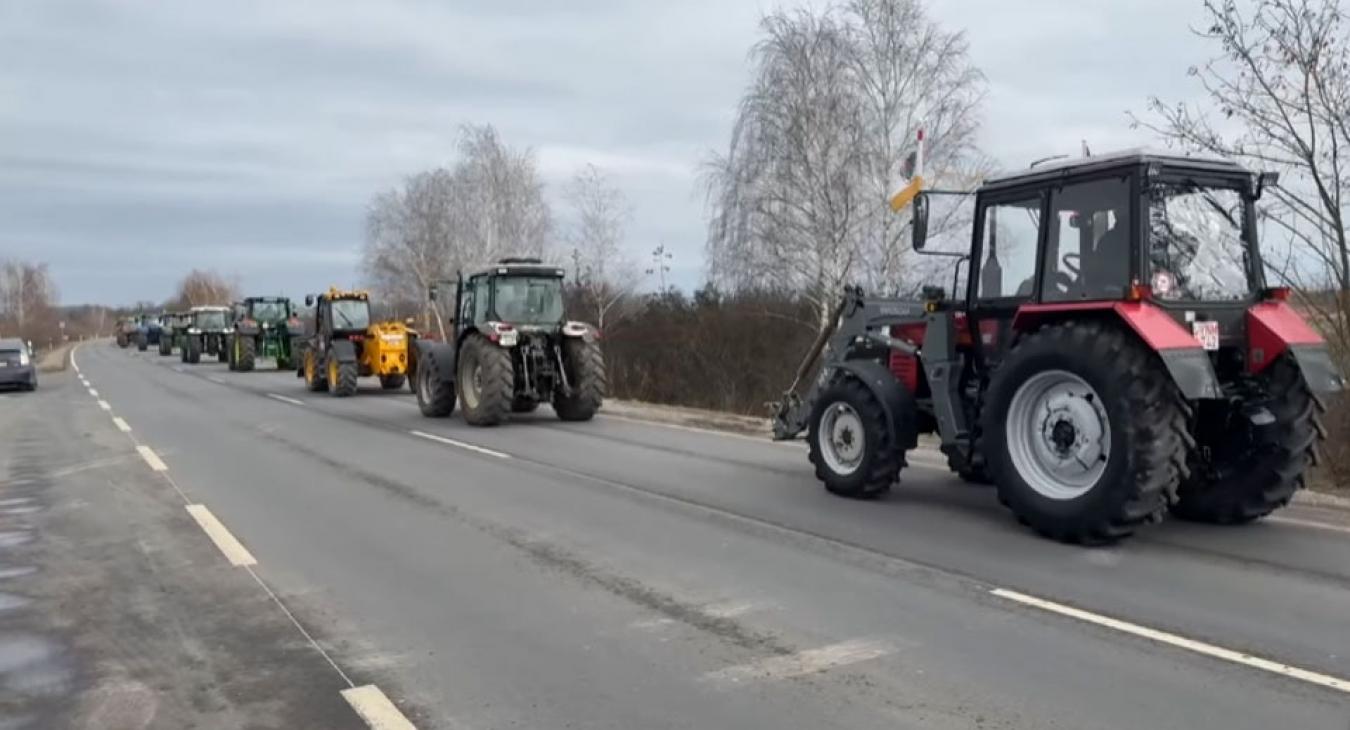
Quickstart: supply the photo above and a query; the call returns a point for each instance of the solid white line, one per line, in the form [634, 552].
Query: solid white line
[1181, 642]
[121, 425]
[460, 444]
[104, 405]
[152, 458]
[1308, 523]
[802, 663]
[376, 709]
[284, 399]
[234, 551]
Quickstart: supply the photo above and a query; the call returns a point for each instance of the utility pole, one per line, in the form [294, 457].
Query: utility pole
[660, 264]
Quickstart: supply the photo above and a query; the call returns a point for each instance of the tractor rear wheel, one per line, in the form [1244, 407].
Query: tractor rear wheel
[1243, 479]
[315, 379]
[193, 352]
[165, 345]
[1083, 433]
[245, 353]
[435, 395]
[341, 376]
[392, 382]
[586, 374]
[848, 442]
[485, 382]
[142, 342]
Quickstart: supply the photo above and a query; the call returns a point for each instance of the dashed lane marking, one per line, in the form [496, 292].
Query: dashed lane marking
[285, 399]
[802, 663]
[93, 392]
[104, 405]
[1180, 642]
[121, 424]
[217, 381]
[152, 458]
[376, 709]
[460, 444]
[234, 550]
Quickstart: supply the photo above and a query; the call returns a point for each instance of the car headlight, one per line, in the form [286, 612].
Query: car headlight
[23, 357]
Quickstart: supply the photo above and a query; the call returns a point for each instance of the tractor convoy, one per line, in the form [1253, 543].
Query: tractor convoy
[1109, 352]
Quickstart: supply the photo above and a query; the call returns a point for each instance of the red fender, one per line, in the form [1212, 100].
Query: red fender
[1272, 327]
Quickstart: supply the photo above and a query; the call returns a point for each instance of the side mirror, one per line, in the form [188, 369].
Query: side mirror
[309, 300]
[1266, 178]
[920, 221]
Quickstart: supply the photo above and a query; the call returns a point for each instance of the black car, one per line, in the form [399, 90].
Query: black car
[16, 365]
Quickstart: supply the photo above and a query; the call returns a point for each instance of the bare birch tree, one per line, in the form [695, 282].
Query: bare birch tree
[27, 296]
[1276, 97]
[204, 288]
[605, 269]
[798, 201]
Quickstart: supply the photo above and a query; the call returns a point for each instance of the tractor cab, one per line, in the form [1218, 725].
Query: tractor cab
[342, 313]
[516, 295]
[267, 312]
[1091, 233]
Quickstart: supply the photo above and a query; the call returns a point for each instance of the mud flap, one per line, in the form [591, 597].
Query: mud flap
[901, 411]
[1319, 372]
[1192, 372]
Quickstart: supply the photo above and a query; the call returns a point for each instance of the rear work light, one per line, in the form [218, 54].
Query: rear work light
[1138, 292]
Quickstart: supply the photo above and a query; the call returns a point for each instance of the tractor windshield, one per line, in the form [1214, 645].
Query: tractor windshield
[1197, 247]
[211, 320]
[351, 314]
[529, 299]
[268, 311]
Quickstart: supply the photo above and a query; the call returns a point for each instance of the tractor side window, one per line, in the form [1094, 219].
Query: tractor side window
[1088, 250]
[480, 299]
[1008, 266]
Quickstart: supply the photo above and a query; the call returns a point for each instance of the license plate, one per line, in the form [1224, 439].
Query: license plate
[1207, 334]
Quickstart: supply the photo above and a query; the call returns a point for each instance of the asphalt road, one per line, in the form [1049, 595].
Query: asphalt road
[617, 574]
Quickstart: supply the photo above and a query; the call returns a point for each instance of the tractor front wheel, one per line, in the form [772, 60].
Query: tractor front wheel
[435, 395]
[586, 375]
[848, 443]
[142, 342]
[245, 353]
[314, 377]
[165, 345]
[1246, 477]
[341, 377]
[392, 382]
[485, 381]
[1083, 433]
[193, 352]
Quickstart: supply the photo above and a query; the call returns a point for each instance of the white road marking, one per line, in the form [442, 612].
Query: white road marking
[1308, 523]
[93, 392]
[376, 709]
[460, 444]
[234, 551]
[104, 405]
[217, 381]
[732, 609]
[802, 663]
[710, 431]
[285, 399]
[152, 458]
[121, 425]
[1181, 642]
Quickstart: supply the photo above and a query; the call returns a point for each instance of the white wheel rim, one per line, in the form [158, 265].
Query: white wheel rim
[1059, 436]
[841, 438]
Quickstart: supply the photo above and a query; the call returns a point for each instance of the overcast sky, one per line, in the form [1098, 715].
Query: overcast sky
[139, 139]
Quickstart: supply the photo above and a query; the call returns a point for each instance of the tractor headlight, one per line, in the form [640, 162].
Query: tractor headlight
[229, 330]
[194, 331]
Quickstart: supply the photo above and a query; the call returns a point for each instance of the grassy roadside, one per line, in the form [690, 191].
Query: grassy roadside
[55, 359]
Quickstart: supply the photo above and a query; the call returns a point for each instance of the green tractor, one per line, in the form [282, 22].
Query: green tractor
[173, 331]
[263, 327]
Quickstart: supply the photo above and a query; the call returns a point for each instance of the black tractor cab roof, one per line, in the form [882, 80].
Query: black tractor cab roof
[521, 267]
[1057, 169]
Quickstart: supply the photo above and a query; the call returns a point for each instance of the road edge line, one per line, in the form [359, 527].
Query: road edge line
[234, 551]
[1180, 642]
[151, 458]
[285, 399]
[376, 709]
[122, 425]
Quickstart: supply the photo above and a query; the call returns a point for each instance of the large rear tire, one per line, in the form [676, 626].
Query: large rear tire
[392, 382]
[485, 382]
[341, 377]
[586, 374]
[1244, 480]
[245, 354]
[435, 395]
[848, 444]
[1083, 433]
[165, 345]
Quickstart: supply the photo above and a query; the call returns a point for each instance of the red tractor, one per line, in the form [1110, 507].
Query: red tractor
[1116, 354]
